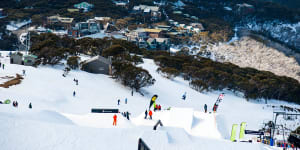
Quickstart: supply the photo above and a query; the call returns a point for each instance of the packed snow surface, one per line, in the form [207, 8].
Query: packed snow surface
[61, 121]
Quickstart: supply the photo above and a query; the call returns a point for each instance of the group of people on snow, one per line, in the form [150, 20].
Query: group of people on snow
[150, 114]
[120, 101]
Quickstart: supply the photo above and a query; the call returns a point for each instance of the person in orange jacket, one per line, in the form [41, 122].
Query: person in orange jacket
[150, 114]
[115, 120]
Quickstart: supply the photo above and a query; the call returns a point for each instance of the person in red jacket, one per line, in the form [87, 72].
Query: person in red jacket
[150, 114]
[115, 120]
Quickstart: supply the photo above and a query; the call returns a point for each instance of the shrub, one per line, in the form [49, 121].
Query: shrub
[72, 62]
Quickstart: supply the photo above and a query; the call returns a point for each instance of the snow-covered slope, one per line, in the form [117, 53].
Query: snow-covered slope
[60, 121]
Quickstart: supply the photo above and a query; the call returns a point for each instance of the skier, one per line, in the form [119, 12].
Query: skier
[74, 93]
[118, 101]
[215, 107]
[125, 100]
[132, 93]
[146, 113]
[150, 114]
[205, 108]
[127, 115]
[76, 81]
[115, 120]
[30, 106]
[184, 96]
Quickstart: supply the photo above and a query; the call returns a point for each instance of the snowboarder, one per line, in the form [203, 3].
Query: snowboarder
[30, 105]
[155, 107]
[215, 107]
[127, 115]
[146, 114]
[23, 72]
[205, 108]
[184, 96]
[118, 101]
[125, 100]
[150, 114]
[115, 120]
[74, 93]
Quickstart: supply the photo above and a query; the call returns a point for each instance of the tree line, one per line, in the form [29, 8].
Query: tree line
[206, 75]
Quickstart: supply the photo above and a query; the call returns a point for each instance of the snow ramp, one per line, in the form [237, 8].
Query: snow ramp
[176, 117]
[205, 125]
[195, 123]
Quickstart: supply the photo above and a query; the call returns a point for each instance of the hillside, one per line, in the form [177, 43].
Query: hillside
[60, 121]
[248, 52]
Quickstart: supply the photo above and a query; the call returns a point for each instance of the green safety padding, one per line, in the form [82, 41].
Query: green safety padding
[242, 130]
[7, 101]
[233, 132]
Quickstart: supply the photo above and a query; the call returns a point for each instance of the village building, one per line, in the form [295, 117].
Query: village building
[65, 21]
[29, 60]
[153, 11]
[1, 12]
[97, 65]
[85, 6]
[16, 58]
[19, 58]
[72, 10]
[244, 9]
[91, 26]
[122, 4]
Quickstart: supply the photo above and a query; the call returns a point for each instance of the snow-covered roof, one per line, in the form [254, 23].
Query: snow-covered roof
[98, 58]
[228, 8]
[161, 40]
[146, 7]
[16, 25]
[147, 10]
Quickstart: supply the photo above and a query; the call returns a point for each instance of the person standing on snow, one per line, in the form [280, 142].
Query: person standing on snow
[125, 100]
[146, 114]
[205, 108]
[3, 66]
[23, 72]
[127, 115]
[118, 101]
[150, 114]
[30, 106]
[74, 93]
[184, 96]
[115, 120]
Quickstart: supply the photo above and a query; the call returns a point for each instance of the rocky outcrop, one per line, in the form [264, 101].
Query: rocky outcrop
[247, 52]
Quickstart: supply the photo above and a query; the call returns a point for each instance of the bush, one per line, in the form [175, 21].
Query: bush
[72, 62]
[132, 76]
[169, 72]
